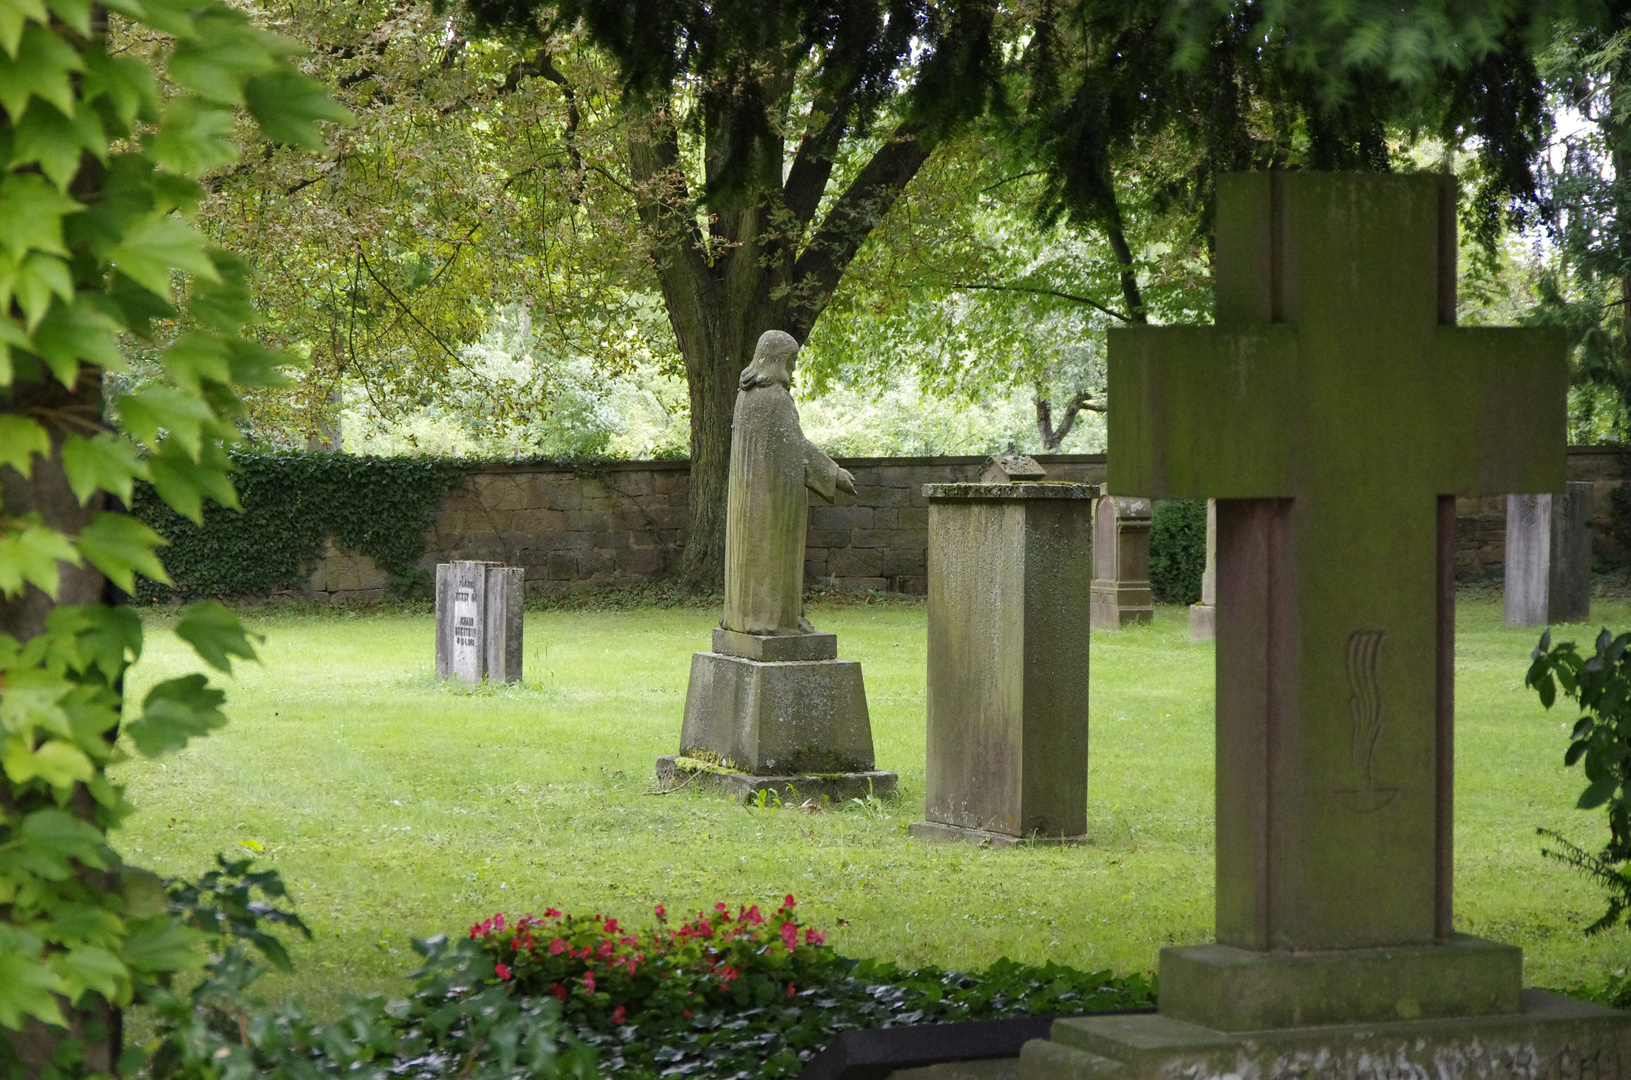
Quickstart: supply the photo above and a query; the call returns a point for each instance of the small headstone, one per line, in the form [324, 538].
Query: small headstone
[1007, 658]
[1548, 557]
[1011, 467]
[479, 609]
[1121, 563]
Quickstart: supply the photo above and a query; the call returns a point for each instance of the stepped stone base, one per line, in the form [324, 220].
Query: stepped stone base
[675, 772]
[941, 832]
[1553, 1038]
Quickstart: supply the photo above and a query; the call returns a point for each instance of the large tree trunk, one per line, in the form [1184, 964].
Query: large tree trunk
[758, 267]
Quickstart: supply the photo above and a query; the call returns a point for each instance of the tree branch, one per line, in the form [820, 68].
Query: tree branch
[851, 220]
[1088, 300]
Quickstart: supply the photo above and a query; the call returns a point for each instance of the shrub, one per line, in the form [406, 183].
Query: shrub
[1177, 550]
[731, 996]
[1601, 740]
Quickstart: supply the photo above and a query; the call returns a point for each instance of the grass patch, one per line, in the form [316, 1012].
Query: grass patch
[397, 807]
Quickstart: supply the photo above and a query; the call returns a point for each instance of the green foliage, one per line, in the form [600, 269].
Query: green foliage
[290, 502]
[748, 994]
[1177, 550]
[100, 178]
[1601, 743]
[459, 1020]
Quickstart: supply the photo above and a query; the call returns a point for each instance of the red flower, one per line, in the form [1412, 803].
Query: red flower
[788, 903]
[502, 970]
[557, 947]
[789, 989]
[753, 915]
[498, 921]
[618, 1014]
[812, 936]
[790, 937]
[552, 913]
[661, 914]
[589, 982]
[558, 990]
[686, 1013]
[611, 926]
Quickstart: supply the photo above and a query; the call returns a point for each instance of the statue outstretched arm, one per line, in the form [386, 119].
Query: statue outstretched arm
[822, 474]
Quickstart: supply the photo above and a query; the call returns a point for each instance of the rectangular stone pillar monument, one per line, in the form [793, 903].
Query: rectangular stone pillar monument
[479, 611]
[1009, 567]
[1121, 563]
[1334, 412]
[1548, 557]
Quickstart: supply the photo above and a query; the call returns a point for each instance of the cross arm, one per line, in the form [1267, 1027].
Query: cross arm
[1201, 411]
[1505, 395]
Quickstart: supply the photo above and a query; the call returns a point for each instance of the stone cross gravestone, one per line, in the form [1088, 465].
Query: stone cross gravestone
[1007, 658]
[772, 708]
[479, 610]
[1334, 411]
[1121, 563]
[1548, 557]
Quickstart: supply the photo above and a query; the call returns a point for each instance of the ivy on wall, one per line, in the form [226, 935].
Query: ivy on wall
[378, 506]
[1177, 550]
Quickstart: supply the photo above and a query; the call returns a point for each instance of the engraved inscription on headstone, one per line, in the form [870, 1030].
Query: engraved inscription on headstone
[478, 621]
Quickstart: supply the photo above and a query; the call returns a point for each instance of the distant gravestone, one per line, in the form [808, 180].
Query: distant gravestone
[1121, 563]
[1203, 617]
[479, 610]
[1548, 557]
[1011, 467]
[1007, 659]
[1335, 411]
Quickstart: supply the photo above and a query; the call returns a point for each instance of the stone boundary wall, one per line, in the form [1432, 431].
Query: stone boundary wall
[623, 522]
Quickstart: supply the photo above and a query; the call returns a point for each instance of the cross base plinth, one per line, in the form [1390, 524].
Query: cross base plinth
[1232, 989]
[1553, 1036]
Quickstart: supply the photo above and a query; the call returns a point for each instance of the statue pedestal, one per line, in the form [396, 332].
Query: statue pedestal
[777, 713]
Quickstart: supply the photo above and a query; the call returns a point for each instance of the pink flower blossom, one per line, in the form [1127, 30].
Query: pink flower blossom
[661, 914]
[790, 936]
[618, 1015]
[788, 903]
[589, 982]
[557, 947]
[502, 970]
[812, 936]
[790, 990]
[558, 990]
[552, 913]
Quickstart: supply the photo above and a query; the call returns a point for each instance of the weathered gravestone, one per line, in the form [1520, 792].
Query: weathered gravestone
[772, 708]
[1007, 687]
[1548, 557]
[1203, 617]
[479, 609]
[1333, 412]
[1121, 563]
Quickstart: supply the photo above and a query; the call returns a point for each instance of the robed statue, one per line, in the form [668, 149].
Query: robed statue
[772, 464]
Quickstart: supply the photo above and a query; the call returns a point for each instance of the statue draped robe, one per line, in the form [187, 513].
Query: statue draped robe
[772, 464]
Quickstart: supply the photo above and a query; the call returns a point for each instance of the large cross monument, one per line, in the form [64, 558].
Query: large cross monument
[1334, 412]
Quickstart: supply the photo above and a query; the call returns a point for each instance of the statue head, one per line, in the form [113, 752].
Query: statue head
[773, 361]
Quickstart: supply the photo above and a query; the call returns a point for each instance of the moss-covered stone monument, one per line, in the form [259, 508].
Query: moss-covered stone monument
[1334, 412]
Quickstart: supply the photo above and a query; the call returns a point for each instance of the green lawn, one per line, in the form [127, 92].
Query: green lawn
[399, 808]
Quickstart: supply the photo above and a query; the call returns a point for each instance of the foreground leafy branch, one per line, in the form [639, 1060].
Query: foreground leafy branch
[101, 162]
